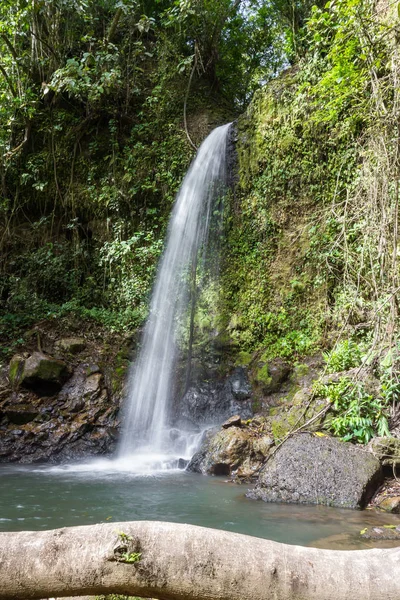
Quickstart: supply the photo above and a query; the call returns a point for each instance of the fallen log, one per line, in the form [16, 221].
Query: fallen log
[184, 562]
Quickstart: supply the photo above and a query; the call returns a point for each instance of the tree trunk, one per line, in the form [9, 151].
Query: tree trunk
[183, 562]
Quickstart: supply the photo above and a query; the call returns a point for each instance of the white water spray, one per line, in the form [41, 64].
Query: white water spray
[146, 434]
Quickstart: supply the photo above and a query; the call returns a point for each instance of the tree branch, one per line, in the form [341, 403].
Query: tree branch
[114, 25]
[9, 82]
[10, 47]
[172, 561]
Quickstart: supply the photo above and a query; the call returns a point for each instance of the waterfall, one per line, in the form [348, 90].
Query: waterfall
[146, 432]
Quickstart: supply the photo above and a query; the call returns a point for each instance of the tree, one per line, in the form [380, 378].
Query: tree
[184, 562]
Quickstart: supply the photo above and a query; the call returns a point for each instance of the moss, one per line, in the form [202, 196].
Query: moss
[283, 421]
[263, 375]
[50, 370]
[300, 370]
[15, 369]
[243, 359]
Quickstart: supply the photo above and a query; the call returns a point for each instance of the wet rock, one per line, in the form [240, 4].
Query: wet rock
[240, 385]
[77, 405]
[386, 532]
[391, 504]
[71, 345]
[313, 470]
[210, 403]
[247, 471]
[221, 453]
[92, 385]
[44, 374]
[235, 421]
[91, 369]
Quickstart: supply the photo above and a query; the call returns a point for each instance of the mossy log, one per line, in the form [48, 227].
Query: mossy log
[184, 562]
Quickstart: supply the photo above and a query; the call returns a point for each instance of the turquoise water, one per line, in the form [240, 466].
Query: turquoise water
[45, 498]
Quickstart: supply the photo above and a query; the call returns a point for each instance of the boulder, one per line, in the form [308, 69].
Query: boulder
[270, 376]
[386, 449]
[288, 417]
[221, 453]
[44, 374]
[385, 532]
[391, 504]
[309, 469]
[71, 345]
[262, 446]
[15, 369]
[235, 421]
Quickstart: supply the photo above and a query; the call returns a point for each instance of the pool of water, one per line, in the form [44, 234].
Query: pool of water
[35, 498]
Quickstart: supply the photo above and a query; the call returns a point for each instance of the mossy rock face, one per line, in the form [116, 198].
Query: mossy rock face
[285, 420]
[271, 375]
[44, 374]
[244, 359]
[15, 369]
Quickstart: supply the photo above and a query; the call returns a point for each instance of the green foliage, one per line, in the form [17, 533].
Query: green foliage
[124, 537]
[91, 97]
[130, 557]
[308, 246]
[345, 355]
[359, 415]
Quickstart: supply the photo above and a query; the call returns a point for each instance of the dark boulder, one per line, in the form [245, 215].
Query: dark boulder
[234, 421]
[44, 374]
[271, 375]
[212, 403]
[310, 469]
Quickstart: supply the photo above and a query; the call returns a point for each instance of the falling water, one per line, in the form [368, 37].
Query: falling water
[146, 434]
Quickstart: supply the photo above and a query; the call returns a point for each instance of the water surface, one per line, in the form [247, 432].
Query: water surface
[36, 498]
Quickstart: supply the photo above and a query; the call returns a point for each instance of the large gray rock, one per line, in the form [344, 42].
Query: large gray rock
[319, 470]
